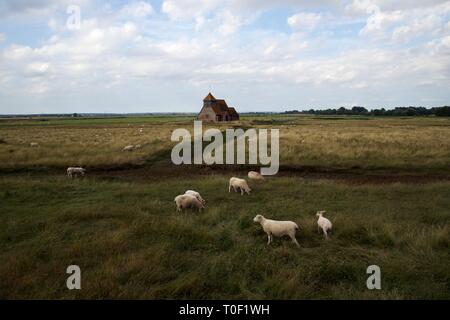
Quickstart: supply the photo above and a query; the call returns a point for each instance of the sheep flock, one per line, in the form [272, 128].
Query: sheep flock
[192, 199]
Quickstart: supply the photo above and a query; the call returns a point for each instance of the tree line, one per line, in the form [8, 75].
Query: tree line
[398, 111]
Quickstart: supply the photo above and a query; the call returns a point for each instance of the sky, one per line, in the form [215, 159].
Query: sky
[258, 55]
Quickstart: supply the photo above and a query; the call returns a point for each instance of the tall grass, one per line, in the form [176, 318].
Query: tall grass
[399, 144]
[130, 242]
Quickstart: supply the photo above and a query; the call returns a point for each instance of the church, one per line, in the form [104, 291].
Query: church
[216, 110]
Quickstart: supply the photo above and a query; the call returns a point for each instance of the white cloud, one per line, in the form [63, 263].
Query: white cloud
[304, 21]
[378, 21]
[188, 9]
[200, 43]
[137, 9]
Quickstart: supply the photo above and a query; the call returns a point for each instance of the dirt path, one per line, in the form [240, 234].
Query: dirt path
[348, 176]
[149, 172]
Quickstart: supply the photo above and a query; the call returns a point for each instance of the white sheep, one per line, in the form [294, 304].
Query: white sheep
[239, 184]
[277, 228]
[323, 223]
[255, 175]
[186, 201]
[128, 148]
[195, 194]
[34, 144]
[75, 171]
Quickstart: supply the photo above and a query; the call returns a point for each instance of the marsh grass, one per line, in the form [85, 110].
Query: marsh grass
[125, 234]
[328, 142]
[130, 242]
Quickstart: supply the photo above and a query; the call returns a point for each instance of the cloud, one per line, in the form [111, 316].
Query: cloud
[137, 10]
[379, 21]
[194, 44]
[304, 21]
[35, 9]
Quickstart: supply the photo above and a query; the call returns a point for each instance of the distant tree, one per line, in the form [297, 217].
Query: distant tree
[356, 110]
[442, 111]
[398, 111]
[341, 110]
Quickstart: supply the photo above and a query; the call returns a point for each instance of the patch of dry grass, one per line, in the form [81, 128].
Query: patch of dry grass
[412, 143]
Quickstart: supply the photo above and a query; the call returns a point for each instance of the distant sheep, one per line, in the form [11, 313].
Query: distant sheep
[255, 175]
[141, 130]
[323, 223]
[239, 184]
[186, 201]
[34, 144]
[131, 147]
[195, 194]
[277, 228]
[128, 148]
[75, 171]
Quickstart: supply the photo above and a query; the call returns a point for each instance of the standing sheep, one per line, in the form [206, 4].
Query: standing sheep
[75, 171]
[186, 201]
[195, 194]
[239, 184]
[277, 228]
[323, 223]
[255, 175]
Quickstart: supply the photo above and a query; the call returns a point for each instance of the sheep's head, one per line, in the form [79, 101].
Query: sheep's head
[258, 218]
[320, 213]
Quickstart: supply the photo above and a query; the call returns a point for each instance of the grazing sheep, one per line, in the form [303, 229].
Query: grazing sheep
[141, 130]
[323, 223]
[240, 184]
[75, 171]
[128, 148]
[138, 146]
[34, 144]
[186, 201]
[255, 175]
[277, 228]
[195, 194]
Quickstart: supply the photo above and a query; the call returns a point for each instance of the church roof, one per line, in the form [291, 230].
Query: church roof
[233, 111]
[209, 97]
[221, 105]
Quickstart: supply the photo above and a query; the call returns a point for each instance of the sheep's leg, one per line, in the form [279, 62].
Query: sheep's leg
[325, 233]
[294, 240]
[269, 238]
[242, 192]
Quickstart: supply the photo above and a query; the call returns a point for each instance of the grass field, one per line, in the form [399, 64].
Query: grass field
[120, 224]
